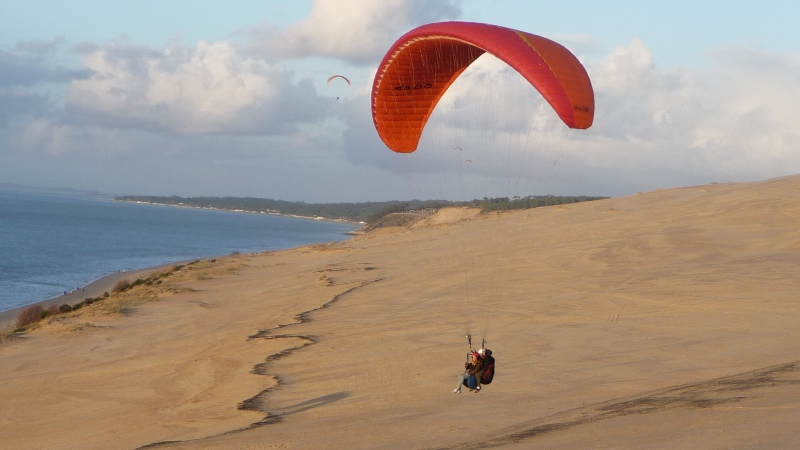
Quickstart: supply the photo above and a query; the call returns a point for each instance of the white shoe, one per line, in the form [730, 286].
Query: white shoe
[456, 391]
[477, 389]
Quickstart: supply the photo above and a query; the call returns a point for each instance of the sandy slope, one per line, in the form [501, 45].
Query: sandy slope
[94, 289]
[662, 320]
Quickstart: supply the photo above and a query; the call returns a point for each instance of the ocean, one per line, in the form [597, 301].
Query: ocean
[52, 242]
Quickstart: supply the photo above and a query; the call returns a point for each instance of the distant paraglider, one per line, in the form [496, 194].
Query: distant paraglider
[340, 76]
[419, 68]
[333, 77]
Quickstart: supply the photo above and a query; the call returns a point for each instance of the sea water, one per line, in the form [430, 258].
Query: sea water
[52, 242]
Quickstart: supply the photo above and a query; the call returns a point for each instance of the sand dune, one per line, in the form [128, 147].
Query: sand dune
[662, 320]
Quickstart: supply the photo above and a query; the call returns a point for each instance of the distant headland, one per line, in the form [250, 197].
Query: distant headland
[364, 212]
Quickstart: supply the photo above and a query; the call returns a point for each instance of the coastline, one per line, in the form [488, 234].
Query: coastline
[266, 213]
[95, 288]
[104, 283]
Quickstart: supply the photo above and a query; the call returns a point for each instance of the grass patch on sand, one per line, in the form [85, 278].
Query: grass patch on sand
[123, 295]
[126, 294]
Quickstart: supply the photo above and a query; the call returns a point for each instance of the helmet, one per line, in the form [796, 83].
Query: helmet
[480, 351]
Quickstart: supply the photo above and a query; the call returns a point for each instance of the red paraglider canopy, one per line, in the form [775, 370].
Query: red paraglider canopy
[423, 63]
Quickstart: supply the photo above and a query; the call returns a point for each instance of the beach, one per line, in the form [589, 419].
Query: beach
[93, 289]
[666, 319]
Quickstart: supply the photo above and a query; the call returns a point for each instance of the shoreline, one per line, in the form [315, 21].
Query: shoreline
[105, 283]
[95, 288]
[266, 213]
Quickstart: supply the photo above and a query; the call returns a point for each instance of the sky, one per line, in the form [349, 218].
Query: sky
[211, 98]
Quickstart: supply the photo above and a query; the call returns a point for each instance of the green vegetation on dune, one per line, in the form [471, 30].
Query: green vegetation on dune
[531, 201]
[368, 212]
[355, 212]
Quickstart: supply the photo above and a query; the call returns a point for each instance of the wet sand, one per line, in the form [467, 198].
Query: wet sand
[666, 319]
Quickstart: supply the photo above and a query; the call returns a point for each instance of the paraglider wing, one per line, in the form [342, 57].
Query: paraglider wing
[339, 76]
[423, 63]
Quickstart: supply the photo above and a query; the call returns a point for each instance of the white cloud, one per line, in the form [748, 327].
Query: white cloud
[211, 88]
[52, 138]
[27, 65]
[734, 121]
[356, 30]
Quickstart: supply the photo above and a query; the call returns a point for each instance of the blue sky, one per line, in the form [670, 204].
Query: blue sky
[146, 22]
[678, 32]
[688, 93]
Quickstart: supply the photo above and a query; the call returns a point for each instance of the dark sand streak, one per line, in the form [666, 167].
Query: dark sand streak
[256, 403]
[703, 394]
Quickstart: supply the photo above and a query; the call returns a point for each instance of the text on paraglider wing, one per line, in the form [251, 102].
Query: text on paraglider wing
[416, 86]
[582, 108]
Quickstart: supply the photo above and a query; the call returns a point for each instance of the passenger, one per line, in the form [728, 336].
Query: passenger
[474, 368]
